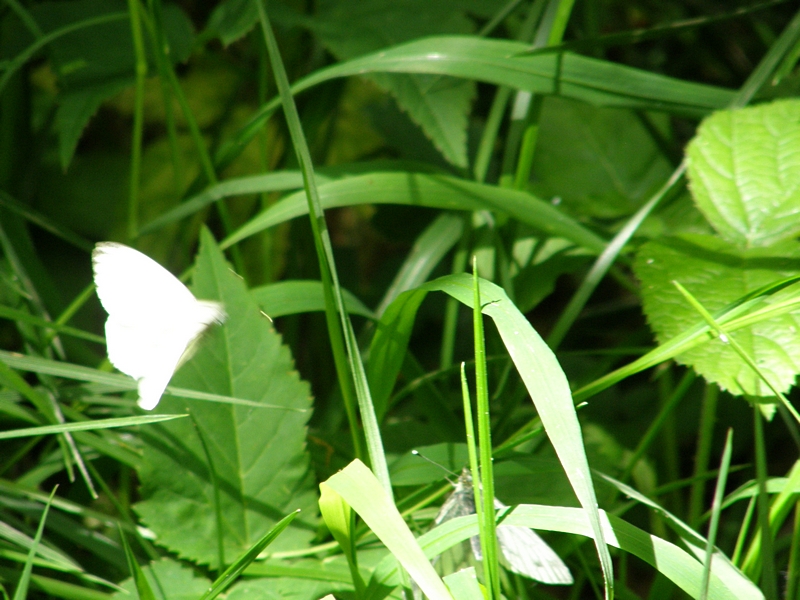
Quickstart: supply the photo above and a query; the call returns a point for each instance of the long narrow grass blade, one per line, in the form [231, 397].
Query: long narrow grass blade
[363, 492]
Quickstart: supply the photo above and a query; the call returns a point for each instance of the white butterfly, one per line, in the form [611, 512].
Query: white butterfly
[152, 317]
[525, 552]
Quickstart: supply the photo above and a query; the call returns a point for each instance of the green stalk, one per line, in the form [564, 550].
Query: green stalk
[343, 340]
[716, 508]
[793, 573]
[138, 119]
[488, 541]
[469, 425]
[704, 439]
[452, 306]
[162, 58]
[767, 552]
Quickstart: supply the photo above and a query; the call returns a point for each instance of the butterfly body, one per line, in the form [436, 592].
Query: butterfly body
[153, 319]
[524, 551]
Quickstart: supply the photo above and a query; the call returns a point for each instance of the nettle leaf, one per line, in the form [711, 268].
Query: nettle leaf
[717, 273]
[744, 172]
[599, 161]
[168, 579]
[259, 466]
[438, 104]
[94, 63]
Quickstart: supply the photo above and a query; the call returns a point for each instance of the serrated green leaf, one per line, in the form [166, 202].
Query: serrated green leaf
[259, 469]
[169, 580]
[744, 172]
[438, 104]
[96, 61]
[717, 273]
[232, 19]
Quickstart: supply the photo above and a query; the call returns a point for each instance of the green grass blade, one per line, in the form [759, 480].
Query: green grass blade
[716, 508]
[347, 358]
[294, 297]
[24, 580]
[678, 565]
[143, 589]
[430, 247]
[483, 480]
[232, 573]
[362, 491]
[86, 426]
[431, 191]
[547, 386]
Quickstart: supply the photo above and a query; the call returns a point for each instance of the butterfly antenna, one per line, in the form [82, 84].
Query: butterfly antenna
[434, 463]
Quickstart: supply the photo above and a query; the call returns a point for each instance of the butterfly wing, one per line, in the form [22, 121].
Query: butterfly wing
[152, 317]
[529, 555]
[524, 551]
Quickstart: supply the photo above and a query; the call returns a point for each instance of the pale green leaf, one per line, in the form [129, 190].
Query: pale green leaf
[744, 172]
[718, 273]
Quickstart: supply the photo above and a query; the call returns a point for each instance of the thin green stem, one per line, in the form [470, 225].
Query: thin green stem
[349, 367]
[767, 554]
[489, 541]
[138, 119]
[716, 508]
[705, 437]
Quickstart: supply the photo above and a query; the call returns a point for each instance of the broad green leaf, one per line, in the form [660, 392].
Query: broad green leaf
[432, 191]
[439, 104]
[96, 61]
[309, 583]
[249, 463]
[744, 172]
[717, 273]
[464, 585]
[599, 162]
[295, 297]
[169, 580]
[361, 490]
[233, 572]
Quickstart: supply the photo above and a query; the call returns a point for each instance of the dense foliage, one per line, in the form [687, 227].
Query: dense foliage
[559, 246]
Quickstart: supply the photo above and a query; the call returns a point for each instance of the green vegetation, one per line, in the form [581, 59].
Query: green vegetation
[553, 242]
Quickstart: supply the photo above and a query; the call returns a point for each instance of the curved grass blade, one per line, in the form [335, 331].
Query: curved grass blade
[361, 490]
[301, 296]
[24, 580]
[232, 573]
[430, 191]
[86, 426]
[676, 564]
